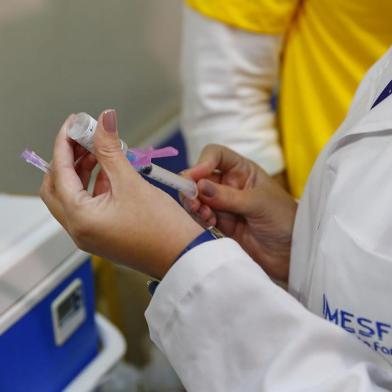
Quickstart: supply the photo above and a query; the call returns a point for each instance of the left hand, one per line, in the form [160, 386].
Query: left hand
[126, 219]
[246, 204]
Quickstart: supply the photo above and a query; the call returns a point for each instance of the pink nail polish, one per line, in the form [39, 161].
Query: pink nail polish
[109, 121]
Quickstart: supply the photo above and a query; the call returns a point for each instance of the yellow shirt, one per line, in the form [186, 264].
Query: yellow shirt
[329, 46]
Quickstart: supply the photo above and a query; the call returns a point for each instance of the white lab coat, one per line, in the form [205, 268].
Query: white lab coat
[225, 326]
[228, 78]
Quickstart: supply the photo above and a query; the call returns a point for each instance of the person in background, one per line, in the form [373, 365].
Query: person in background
[234, 54]
[216, 314]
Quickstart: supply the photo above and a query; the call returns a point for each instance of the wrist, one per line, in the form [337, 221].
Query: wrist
[206, 235]
[176, 244]
[209, 234]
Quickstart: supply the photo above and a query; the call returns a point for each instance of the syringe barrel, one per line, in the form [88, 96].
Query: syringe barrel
[181, 184]
[82, 129]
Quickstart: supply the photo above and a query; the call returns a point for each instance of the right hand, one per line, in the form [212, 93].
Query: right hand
[126, 219]
[246, 204]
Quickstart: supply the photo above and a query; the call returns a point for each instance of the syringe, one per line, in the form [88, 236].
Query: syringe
[82, 129]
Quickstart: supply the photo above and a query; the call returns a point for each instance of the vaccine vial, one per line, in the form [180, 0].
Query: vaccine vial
[82, 129]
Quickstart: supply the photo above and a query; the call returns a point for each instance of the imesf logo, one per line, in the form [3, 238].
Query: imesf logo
[363, 327]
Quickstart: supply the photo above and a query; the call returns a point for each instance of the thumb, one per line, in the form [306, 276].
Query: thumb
[108, 149]
[225, 198]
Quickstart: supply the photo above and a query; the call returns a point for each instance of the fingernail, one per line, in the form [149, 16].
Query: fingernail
[208, 189]
[109, 121]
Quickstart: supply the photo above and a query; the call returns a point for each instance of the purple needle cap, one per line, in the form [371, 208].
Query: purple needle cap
[35, 160]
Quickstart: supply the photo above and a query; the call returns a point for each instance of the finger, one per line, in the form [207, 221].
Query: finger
[217, 157]
[205, 213]
[200, 213]
[197, 218]
[49, 197]
[225, 198]
[65, 179]
[226, 222]
[108, 151]
[201, 170]
[190, 205]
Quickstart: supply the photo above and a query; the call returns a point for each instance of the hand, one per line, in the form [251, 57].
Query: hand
[281, 179]
[126, 219]
[241, 200]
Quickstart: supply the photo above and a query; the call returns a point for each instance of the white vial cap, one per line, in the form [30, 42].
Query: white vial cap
[82, 129]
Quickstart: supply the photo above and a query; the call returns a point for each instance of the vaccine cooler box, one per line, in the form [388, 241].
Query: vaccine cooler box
[51, 338]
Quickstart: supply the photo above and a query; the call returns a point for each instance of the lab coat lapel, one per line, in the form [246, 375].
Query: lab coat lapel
[362, 119]
[376, 120]
[360, 122]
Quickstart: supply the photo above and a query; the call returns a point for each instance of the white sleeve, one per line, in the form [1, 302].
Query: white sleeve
[228, 77]
[225, 326]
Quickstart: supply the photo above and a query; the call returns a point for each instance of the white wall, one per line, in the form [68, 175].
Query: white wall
[63, 56]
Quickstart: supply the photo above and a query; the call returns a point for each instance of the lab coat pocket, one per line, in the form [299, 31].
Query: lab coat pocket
[352, 287]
